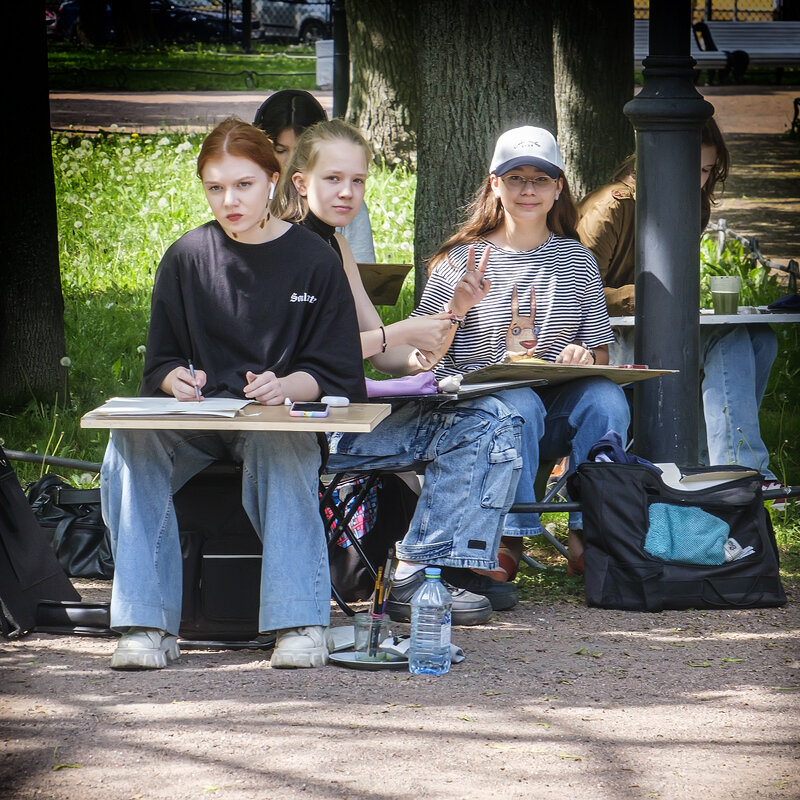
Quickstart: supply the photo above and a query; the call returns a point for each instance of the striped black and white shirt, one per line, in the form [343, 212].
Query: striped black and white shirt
[570, 306]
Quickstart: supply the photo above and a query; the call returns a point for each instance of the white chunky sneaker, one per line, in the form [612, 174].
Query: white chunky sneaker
[145, 648]
[301, 648]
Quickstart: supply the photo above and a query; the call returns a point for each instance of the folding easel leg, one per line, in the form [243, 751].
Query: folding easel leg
[340, 602]
[342, 520]
[550, 494]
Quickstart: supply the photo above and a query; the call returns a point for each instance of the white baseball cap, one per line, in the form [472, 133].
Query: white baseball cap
[535, 147]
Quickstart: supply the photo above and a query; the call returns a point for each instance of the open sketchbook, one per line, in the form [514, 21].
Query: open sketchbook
[558, 373]
[168, 406]
[672, 476]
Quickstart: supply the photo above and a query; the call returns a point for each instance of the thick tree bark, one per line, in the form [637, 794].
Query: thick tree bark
[593, 65]
[484, 67]
[31, 303]
[383, 92]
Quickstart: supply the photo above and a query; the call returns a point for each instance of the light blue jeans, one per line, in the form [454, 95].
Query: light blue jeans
[471, 450]
[141, 471]
[564, 420]
[736, 362]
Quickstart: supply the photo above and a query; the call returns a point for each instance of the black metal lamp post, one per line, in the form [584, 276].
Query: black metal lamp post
[341, 60]
[668, 115]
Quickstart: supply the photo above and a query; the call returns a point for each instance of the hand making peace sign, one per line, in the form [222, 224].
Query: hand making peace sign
[473, 287]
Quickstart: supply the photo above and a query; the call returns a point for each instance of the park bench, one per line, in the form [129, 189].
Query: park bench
[767, 44]
[710, 60]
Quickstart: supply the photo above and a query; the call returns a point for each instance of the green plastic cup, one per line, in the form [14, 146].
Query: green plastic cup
[725, 293]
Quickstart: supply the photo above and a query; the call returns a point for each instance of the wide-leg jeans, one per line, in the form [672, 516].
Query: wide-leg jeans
[471, 454]
[141, 471]
[736, 362]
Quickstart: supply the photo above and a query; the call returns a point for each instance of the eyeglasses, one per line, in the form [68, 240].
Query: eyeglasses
[519, 182]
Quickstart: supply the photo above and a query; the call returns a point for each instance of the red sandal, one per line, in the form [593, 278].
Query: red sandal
[575, 566]
[508, 565]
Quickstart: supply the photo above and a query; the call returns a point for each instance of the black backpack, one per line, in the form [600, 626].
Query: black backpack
[29, 570]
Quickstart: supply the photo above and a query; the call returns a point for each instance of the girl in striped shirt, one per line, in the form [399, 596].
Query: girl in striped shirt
[518, 283]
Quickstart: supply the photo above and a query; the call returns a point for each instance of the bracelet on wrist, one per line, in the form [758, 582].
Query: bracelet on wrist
[591, 352]
[455, 319]
[383, 337]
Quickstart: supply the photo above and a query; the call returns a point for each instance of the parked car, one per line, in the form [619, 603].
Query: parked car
[197, 20]
[302, 21]
[174, 20]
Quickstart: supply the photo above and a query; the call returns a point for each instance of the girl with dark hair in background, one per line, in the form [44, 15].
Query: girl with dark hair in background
[284, 116]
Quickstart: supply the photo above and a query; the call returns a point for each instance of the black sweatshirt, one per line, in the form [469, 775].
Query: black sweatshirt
[230, 307]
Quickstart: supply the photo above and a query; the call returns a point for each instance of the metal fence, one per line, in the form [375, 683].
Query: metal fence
[722, 10]
[305, 21]
[722, 231]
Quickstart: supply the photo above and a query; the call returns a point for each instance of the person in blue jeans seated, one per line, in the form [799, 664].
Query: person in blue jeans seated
[521, 286]
[735, 359]
[262, 310]
[470, 449]
[283, 116]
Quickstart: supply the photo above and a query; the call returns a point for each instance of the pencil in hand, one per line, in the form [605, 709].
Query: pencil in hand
[196, 390]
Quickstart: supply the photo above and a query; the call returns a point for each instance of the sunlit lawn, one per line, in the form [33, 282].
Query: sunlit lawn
[190, 68]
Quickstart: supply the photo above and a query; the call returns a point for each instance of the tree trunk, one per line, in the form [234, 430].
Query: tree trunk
[383, 91]
[593, 65]
[31, 303]
[484, 67]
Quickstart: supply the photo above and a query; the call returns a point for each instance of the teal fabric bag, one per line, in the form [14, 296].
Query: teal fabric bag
[686, 533]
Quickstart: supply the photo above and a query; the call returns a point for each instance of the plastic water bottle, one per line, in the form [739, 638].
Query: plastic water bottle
[431, 605]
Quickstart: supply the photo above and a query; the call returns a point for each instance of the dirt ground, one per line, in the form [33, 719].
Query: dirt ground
[552, 701]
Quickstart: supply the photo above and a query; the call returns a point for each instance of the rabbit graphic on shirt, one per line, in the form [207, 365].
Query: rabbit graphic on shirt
[522, 334]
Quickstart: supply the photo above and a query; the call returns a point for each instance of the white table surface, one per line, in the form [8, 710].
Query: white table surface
[747, 316]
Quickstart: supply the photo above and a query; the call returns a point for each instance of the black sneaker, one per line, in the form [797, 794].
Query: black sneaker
[501, 594]
[468, 608]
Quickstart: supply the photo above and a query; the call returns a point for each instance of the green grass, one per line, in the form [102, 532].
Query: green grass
[206, 67]
[194, 68]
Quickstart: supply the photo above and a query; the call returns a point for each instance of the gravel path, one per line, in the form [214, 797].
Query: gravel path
[552, 701]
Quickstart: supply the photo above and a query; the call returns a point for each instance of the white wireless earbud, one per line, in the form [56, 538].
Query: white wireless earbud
[271, 191]
[557, 195]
